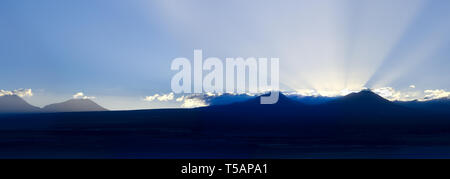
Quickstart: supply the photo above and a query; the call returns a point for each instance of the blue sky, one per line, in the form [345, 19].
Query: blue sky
[120, 51]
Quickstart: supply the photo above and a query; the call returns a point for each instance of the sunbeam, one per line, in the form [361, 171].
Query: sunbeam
[330, 46]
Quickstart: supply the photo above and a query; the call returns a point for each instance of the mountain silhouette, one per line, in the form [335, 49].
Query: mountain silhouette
[74, 105]
[437, 105]
[365, 100]
[15, 104]
[364, 103]
[283, 101]
[364, 96]
[284, 106]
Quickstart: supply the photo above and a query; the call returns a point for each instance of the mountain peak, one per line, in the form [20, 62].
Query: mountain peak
[74, 105]
[281, 98]
[365, 100]
[366, 96]
[15, 104]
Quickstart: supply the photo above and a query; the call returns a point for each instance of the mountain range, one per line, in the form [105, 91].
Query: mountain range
[364, 102]
[359, 113]
[15, 104]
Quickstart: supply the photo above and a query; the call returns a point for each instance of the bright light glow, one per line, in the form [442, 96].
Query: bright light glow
[332, 47]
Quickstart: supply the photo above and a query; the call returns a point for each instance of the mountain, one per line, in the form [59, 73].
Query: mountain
[312, 100]
[365, 103]
[253, 106]
[365, 100]
[438, 105]
[74, 105]
[283, 101]
[363, 97]
[253, 117]
[15, 104]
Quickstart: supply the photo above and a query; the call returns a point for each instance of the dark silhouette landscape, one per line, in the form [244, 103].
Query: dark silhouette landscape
[359, 125]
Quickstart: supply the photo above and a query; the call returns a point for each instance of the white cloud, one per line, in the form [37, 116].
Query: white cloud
[163, 97]
[80, 95]
[327, 93]
[306, 92]
[180, 99]
[388, 93]
[412, 86]
[151, 98]
[19, 92]
[189, 101]
[166, 97]
[193, 103]
[436, 94]
[195, 100]
[393, 95]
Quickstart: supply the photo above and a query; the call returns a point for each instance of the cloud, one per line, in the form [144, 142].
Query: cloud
[388, 93]
[412, 86]
[163, 97]
[306, 92]
[151, 98]
[325, 93]
[166, 97]
[394, 95]
[193, 103]
[80, 95]
[436, 94]
[19, 92]
[180, 99]
[189, 101]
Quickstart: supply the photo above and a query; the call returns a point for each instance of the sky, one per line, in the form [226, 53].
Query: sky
[119, 53]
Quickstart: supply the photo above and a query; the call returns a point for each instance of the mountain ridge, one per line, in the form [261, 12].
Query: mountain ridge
[16, 104]
[74, 105]
[364, 101]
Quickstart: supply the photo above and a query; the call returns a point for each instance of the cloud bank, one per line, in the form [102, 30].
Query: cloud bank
[19, 92]
[200, 100]
[436, 94]
[162, 97]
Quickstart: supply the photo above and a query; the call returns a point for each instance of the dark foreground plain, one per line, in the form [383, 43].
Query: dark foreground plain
[360, 125]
